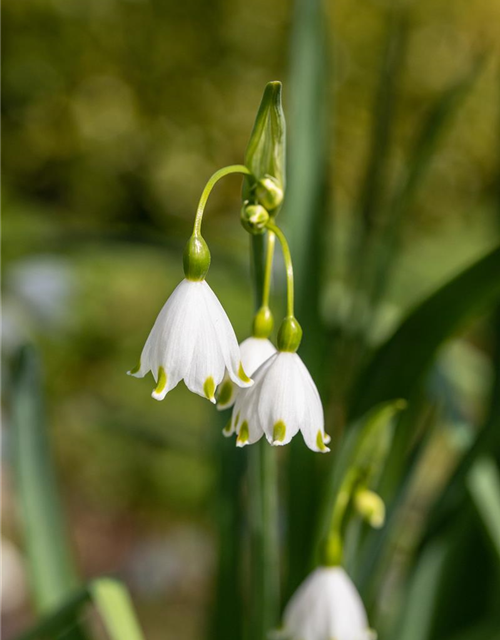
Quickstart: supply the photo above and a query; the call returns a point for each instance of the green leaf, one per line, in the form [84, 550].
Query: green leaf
[422, 597]
[383, 121]
[265, 154]
[304, 218]
[400, 364]
[431, 131]
[50, 563]
[113, 603]
[111, 600]
[483, 485]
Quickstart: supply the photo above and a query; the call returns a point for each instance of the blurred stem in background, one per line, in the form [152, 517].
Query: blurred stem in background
[305, 220]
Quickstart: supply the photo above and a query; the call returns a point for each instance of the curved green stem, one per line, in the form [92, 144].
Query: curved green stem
[288, 265]
[333, 549]
[266, 288]
[221, 173]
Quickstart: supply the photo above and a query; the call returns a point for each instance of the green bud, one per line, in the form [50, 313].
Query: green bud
[196, 258]
[269, 193]
[262, 323]
[265, 154]
[371, 507]
[254, 218]
[289, 335]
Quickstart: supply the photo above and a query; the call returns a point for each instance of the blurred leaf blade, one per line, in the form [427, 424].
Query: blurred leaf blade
[111, 600]
[51, 568]
[385, 102]
[432, 130]
[483, 485]
[401, 362]
[422, 595]
[305, 220]
[114, 605]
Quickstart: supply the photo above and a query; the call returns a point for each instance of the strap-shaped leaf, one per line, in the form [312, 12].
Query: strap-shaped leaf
[111, 600]
[50, 562]
[483, 485]
[399, 364]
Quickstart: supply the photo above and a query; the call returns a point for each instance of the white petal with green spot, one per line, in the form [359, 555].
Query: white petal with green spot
[283, 401]
[254, 352]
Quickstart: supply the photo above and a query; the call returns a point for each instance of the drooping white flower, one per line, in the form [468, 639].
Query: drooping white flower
[282, 401]
[192, 340]
[254, 352]
[326, 606]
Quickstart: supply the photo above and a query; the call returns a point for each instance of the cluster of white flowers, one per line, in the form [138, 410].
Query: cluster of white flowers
[193, 340]
[270, 390]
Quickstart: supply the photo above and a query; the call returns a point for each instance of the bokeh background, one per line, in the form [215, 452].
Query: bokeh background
[115, 113]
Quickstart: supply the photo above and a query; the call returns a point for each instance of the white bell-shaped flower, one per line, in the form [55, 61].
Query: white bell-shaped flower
[192, 340]
[254, 352]
[282, 401]
[326, 606]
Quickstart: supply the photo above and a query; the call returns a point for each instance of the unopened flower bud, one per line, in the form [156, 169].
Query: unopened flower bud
[371, 507]
[269, 193]
[254, 218]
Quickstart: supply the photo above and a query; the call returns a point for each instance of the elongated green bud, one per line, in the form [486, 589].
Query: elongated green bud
[254, 218]
[196, 258]
[262, 323]
[265, 154]
[289, 335]
[269, 193]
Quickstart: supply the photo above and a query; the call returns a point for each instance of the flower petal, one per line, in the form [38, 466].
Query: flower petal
[226, 338]
[254, 352]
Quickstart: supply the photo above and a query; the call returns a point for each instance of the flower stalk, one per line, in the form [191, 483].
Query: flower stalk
[221, 173]
[263, 496]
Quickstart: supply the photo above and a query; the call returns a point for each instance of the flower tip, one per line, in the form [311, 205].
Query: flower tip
[227, 432]
[277, 443]
[135, 371]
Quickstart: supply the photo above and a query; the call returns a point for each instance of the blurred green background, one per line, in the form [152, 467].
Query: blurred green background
[115, 113]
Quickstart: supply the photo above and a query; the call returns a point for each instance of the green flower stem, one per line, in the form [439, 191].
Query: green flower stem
[266, 287]
[333, 548]
[288, 265]
[221, 173]
[263, 500]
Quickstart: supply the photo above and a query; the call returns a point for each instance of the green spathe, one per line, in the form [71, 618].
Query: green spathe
[196, 258]
[289, 335]
[265, 154]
